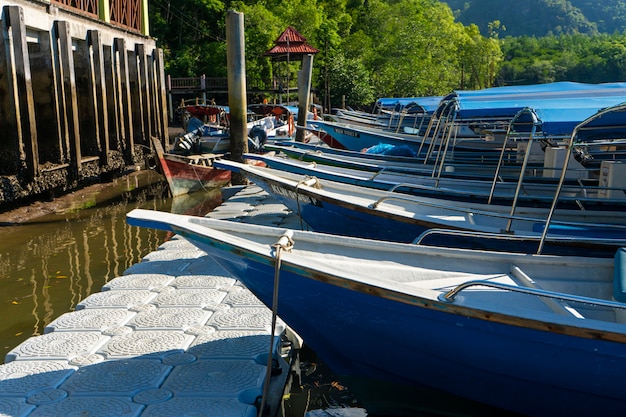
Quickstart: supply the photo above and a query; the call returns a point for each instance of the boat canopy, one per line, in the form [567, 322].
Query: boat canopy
[505, 102]
[274, 109]
[555, 90]
[560, 117]
[606, 124]
[417, 104]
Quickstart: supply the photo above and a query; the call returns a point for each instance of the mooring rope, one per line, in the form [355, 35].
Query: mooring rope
[284, 243]
[193, 167]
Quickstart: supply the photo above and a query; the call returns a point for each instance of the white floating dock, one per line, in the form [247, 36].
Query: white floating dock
[176, 335]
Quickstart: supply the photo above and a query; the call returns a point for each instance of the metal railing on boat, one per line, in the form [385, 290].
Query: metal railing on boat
[450, 295]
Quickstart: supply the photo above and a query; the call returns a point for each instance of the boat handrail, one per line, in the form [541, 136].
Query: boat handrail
[449, 296]
[465, 211]
[408, 198]
[503, 236]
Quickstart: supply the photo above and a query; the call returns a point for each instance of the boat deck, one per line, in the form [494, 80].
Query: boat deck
[175, 335]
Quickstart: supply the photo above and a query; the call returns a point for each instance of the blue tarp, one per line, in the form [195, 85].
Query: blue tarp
[427, 104]
[609, 123]
[559, 107]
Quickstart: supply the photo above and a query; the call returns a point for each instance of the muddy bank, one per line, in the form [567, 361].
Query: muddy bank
[125, 186]
[133, 185]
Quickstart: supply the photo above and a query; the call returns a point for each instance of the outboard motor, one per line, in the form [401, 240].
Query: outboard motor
[188, 143]
[258, 137]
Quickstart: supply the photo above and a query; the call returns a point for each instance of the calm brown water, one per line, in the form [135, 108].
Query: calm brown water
[49, 266]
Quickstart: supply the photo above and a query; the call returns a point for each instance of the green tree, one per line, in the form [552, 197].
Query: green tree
[480, 59]
[185, 29]
[349, 81]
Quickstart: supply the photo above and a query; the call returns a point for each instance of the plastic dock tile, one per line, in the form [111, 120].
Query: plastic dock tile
[242, 318]
[118, 298]
[240, 296]
[204, 266]
[218, 282]
[170, 318]
[58, 346]
[175, 335]
[190, 253]
[190, 297]
[169, 267]
[232, 344]
[147, 344]
[138, 282]
[234, 378]
[90, 319]
[198, 406]
[28, 377]
[101, 407]
[120, 378]
[15, 407]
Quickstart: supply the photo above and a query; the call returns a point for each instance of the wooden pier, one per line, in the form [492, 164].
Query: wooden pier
[82, 90]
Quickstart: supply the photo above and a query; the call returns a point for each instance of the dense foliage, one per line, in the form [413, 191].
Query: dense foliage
[383, 48]
[576, 57]
[369, 48]
[543, 17]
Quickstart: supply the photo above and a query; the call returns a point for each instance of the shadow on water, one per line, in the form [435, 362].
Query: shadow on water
[47, 266]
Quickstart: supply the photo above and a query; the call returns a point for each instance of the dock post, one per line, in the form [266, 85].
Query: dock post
[68, 98]
[145, 112]
[17, 106]
[160, 96]
[304, 94]
[101, 119]
[124, 99]
[236, 63]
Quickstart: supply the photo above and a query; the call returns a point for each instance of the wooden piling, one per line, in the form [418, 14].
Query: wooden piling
[101, 109]
[304, 94]
[67, 98]
[79, 99]
[20, 122]
[124, 98]
[236, 62]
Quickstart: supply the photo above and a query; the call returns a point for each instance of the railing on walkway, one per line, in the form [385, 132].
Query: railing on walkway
[126, 13]
[203, 83]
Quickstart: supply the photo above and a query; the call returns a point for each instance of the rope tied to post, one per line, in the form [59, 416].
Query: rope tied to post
[284, 243]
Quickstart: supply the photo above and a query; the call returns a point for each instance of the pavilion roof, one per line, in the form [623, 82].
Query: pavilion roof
[290, 43]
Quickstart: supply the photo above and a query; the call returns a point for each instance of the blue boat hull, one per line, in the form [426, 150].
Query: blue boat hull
[332, 217]
[360, 334]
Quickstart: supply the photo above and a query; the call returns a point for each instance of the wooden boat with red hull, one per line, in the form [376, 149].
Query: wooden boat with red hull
[188, 173]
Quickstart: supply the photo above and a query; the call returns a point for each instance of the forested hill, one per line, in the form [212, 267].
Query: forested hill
[543, 17]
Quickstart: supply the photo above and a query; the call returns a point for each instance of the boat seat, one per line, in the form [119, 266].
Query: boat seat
[557, 306]
[619, 275]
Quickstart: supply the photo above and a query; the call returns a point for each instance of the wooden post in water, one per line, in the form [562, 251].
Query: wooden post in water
[236, 63]
[19, 130]
[304, 96]
[68, 99]
[101, 111]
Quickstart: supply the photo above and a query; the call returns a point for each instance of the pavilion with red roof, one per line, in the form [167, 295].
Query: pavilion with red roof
[290, 46]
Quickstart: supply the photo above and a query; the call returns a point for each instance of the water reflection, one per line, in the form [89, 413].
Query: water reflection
[47, 267]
